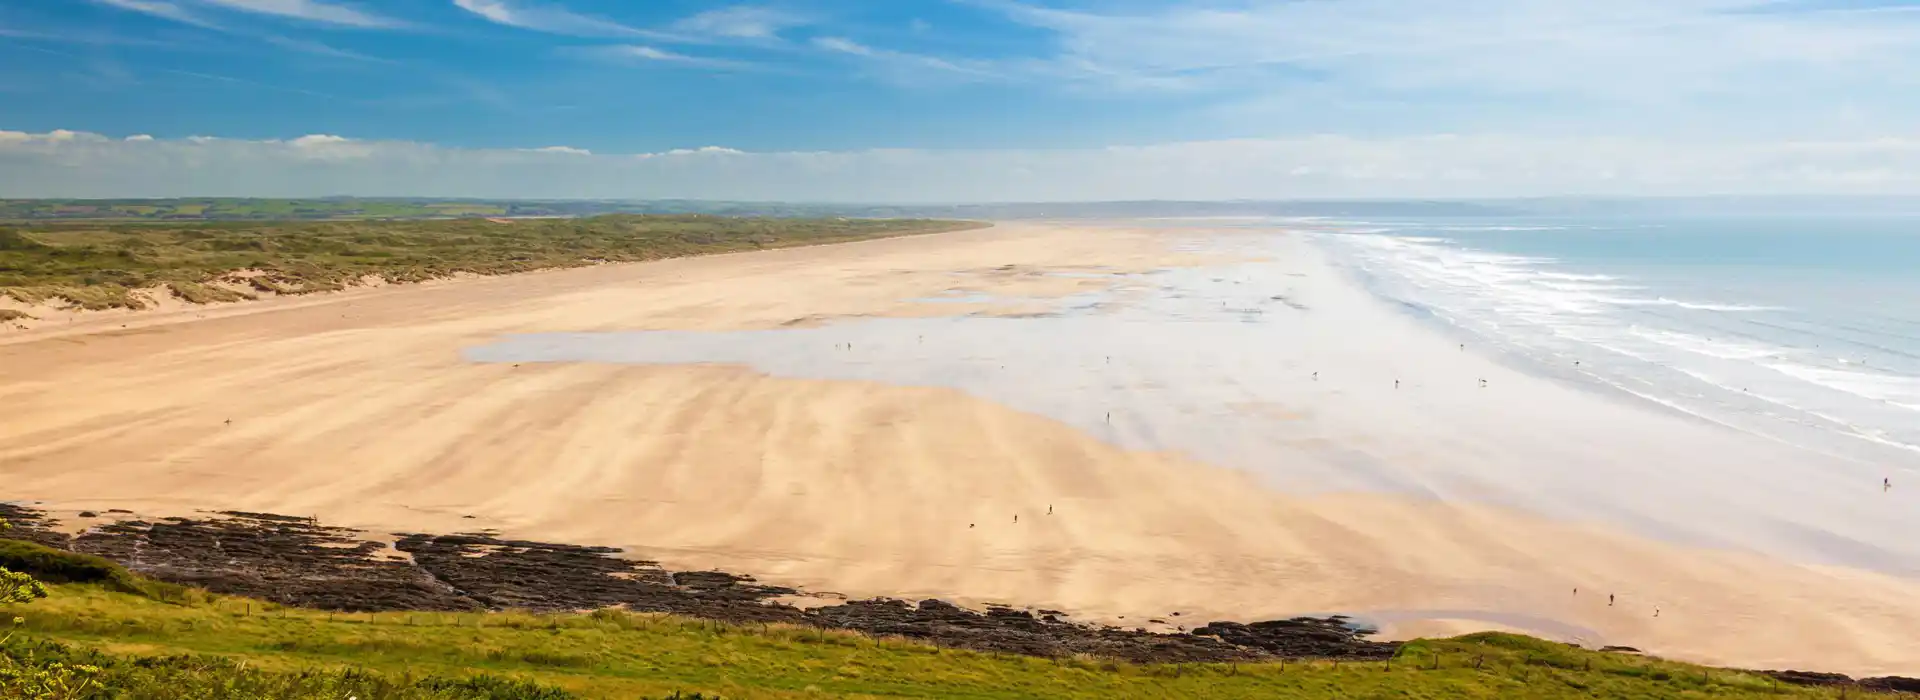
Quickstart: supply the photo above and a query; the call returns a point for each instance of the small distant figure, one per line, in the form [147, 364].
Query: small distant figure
[229, 421]
[1609, 600]
[969, 526]
[1576, 590]
[1885, 484]
[1016, 517]
[1463, 346]
[1576, 363]
[1109, 416]
[1316, 376]
[1049, 509]
[1483, 383]
[1396, 383]
[1656, 612]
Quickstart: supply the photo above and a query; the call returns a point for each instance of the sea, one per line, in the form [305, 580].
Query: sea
[1801, 330]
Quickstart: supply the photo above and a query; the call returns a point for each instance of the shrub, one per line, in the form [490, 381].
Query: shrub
[16, 587]
[59, 566]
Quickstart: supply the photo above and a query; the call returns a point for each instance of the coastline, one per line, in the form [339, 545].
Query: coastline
[869, 487]
[22, 321]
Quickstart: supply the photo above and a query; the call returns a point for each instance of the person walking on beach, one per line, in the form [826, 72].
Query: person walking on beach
[1609, 600]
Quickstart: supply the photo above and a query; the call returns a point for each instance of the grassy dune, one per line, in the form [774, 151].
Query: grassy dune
[101, 266]
[612, 654]
[231, 208]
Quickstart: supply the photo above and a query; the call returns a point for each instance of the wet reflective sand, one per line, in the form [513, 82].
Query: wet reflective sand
[929, 418]
[1269, 361]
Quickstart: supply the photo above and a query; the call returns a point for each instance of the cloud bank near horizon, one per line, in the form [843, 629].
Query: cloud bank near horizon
[85, 165]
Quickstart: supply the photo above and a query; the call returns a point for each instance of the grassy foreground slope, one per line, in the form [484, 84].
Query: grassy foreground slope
[612, 654]
[103, 265]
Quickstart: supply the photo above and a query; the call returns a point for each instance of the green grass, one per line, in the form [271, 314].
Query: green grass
[227, 208]
[51, 670]
[612, 654]
[100, 266]
[57, 566]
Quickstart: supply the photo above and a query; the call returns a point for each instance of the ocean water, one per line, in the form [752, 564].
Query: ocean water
[1800, 330]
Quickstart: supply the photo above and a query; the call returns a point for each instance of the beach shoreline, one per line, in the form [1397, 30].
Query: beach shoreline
[161, 305]
[842, 477]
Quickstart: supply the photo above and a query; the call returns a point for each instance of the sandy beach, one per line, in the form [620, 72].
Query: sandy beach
[1117, 421]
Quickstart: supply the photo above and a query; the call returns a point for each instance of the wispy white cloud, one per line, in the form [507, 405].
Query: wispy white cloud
[547, 18]
[740, 22]
[241, 81]
[843, 45]
[636, 53]
[308, 10]
[84, 36]
[906, 67]
[316, 48]
[78, 164]
[1643, 50]
[175, 12]
[160, 8]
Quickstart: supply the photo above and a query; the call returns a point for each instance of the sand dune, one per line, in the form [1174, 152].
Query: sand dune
[361, 409]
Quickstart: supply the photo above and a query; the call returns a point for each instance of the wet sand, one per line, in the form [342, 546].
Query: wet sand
[817, 441]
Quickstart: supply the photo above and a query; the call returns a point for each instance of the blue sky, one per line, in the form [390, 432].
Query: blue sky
[941, 100]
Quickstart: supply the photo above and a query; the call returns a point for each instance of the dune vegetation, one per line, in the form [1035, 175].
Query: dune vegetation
[95, 265]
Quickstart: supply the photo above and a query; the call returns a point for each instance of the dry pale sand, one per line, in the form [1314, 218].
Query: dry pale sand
[360, 409]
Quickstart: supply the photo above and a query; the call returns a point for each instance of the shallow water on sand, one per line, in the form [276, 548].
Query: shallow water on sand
[1804, 330]
[1234, 365]
[1165, 360]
